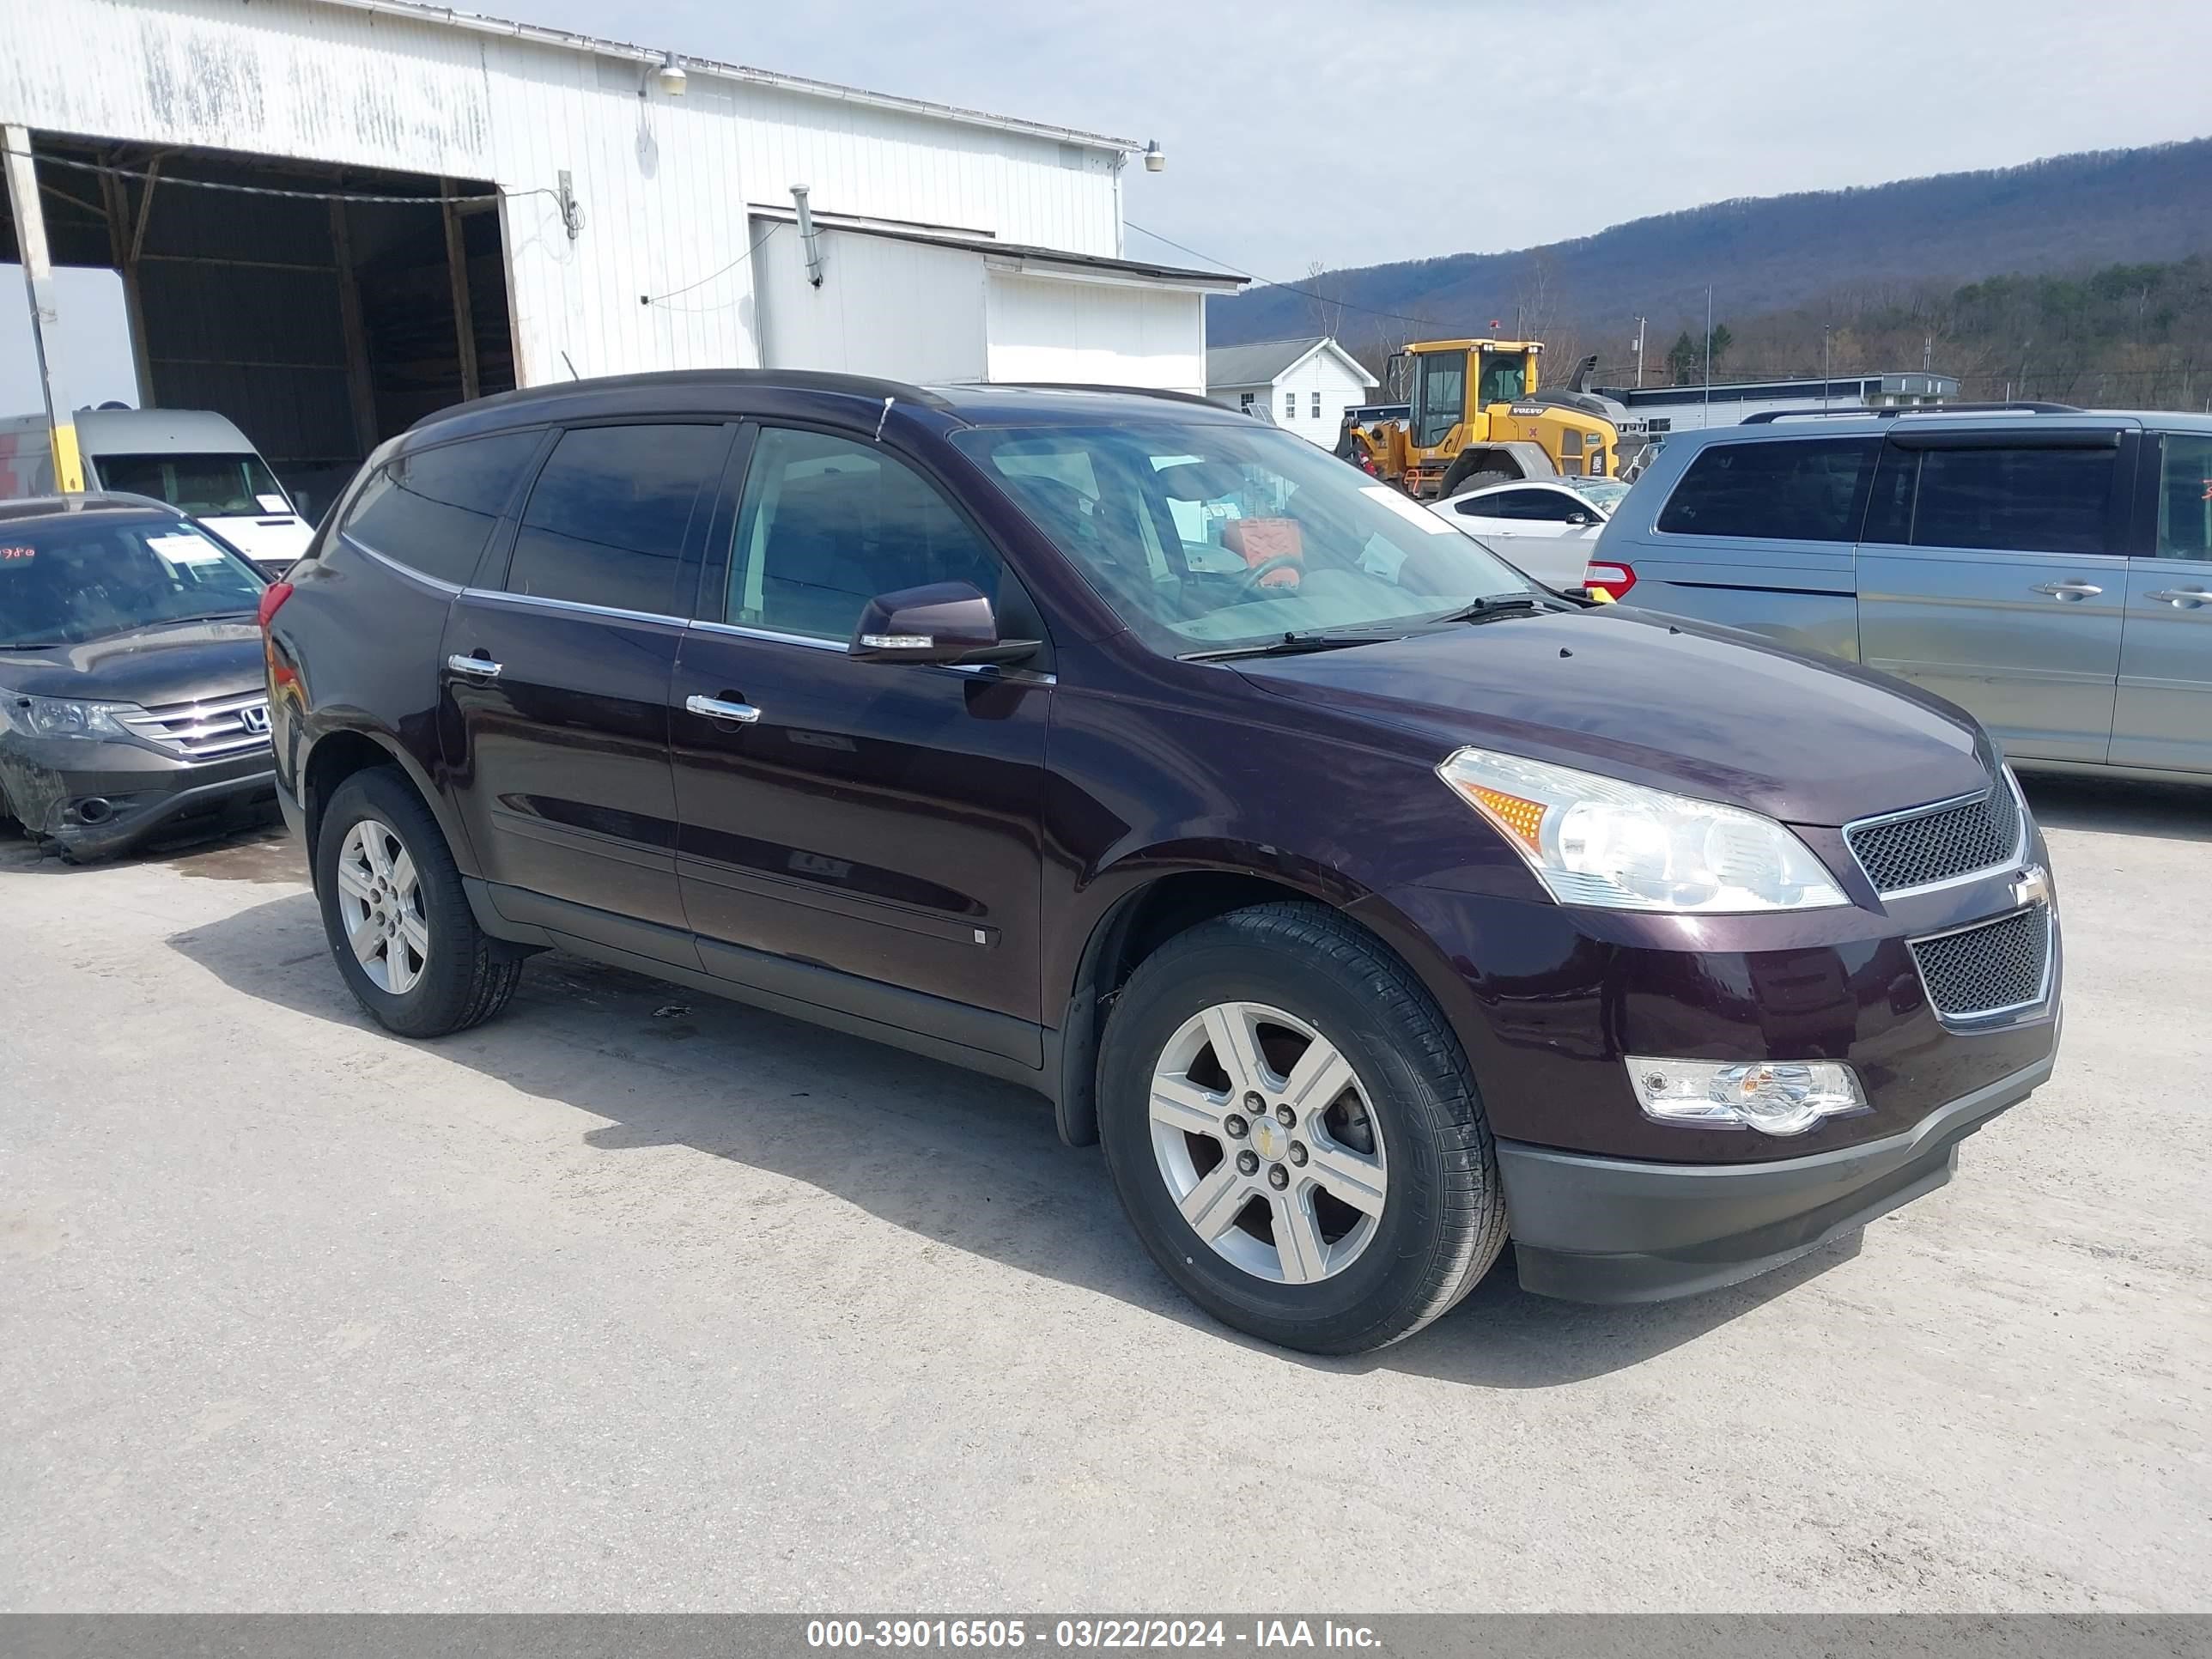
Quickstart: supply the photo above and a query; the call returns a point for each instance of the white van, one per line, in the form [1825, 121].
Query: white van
[193, 459]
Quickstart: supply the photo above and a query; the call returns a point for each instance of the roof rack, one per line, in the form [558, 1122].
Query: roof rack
[1767, 416]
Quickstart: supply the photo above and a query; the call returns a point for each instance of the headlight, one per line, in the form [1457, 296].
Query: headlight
[1777, 1097]
[1598, 841]
[66, 717]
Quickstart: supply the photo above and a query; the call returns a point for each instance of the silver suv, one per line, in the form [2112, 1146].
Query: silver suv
[2049, 569]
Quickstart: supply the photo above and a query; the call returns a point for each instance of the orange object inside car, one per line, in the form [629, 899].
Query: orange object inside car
[1256, 541]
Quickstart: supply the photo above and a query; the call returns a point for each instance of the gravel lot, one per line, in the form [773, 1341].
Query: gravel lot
[638, 1300]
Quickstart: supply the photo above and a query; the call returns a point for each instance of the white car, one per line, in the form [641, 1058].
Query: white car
[1545, 526]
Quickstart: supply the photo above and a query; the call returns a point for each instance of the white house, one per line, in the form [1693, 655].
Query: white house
[331, 217]
[1305, 386]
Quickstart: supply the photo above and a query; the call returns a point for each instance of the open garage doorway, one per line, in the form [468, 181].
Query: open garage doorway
[330, 310]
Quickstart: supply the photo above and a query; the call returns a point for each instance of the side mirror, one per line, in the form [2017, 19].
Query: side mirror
[1580, 519]
[943, 623]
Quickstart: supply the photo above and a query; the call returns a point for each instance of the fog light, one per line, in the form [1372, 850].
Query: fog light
[1775, 1096]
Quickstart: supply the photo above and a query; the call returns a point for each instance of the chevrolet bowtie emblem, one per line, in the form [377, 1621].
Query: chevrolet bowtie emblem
[2032, 886]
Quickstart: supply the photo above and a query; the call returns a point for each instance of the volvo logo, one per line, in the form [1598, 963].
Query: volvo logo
[255, 718]
[2030, 886]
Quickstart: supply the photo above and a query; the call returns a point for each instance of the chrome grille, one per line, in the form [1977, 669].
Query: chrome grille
[1993, 967]
[208, 729]
[1939, 844]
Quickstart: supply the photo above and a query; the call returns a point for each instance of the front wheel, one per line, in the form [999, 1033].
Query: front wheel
[399, 923]
[1293, 1131]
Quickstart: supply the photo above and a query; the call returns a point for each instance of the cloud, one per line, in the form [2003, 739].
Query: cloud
[1351, 134]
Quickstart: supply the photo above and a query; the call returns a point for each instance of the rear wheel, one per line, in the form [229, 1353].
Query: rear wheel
[399, 924]
[1294, 1134]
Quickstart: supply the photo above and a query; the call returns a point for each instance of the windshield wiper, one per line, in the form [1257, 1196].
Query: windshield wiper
[1292, 645]
[1504, 605]
[32, 645]
[179, 622]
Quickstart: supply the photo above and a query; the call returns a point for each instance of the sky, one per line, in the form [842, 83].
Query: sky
[1316, 131]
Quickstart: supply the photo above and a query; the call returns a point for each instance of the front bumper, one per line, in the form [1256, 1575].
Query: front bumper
[95, 800]
[1610, 1229]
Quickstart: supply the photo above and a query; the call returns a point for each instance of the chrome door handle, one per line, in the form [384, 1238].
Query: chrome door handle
[2068, 589]
[715, 709]
[2181, 596]
[481, 668]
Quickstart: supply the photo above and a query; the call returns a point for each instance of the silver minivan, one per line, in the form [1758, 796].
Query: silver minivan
[2049, 569]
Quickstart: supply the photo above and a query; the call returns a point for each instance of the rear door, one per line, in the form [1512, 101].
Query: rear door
[556, 668]
[1991, 572]
[2162, 714]
[1758, 533]
[862, 835]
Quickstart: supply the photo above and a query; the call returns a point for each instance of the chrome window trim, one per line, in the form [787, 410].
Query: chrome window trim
[400, 565]
[2011, 1010]
[1015, 672]
[2019, 847]
[546, 601]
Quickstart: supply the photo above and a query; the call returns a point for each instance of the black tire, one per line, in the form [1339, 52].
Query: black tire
[466, 976]
[1443, 1213]
[1457, 478]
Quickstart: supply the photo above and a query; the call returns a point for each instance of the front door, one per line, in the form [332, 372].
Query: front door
[1991, 571]
[860, 835]
[2163, 716]
[557, 666]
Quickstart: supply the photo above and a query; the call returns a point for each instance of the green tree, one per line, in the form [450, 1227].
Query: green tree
[1682, 359]
[1718, 344]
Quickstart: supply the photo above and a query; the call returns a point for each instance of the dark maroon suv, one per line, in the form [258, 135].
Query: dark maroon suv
[1371, 904]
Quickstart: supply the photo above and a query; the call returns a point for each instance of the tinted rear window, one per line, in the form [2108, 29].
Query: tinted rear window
[2027, 500]
[607, 518]
[1795, 489]
[433, 510]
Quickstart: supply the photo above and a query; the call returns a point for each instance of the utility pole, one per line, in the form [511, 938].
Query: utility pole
[39, 282]
[1824, 366]
[1709, 354]
[1639, 354]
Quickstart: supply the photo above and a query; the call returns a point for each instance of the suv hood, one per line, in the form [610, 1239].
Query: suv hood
[1699, 710]
[183, 662]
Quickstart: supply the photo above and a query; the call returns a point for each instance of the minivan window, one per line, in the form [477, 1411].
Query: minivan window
[206, 486]
[2184, 498]
[2016, 500]
[1217, 532]
[829, 524]
[433, 510]
[607, 519]
[1810, 489]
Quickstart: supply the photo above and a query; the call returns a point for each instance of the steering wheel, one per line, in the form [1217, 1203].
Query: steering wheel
[1259, 572]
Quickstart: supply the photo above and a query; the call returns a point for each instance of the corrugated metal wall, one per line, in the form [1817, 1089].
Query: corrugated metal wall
[1048, 328]
[888, 308]
[658, 278]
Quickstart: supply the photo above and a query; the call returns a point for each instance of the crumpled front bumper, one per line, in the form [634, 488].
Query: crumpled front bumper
[93, 800]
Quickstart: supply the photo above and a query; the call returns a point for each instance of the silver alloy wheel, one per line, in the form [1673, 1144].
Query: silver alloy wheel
[380, 902]
[1294, 1202]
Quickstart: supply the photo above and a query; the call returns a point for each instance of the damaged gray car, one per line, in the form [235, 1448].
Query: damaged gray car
[133, 699]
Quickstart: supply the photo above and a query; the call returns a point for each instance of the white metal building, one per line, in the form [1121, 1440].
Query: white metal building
[519, 205]
[1684, 408]
[1306, 385]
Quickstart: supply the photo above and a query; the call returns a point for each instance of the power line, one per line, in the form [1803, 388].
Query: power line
[659, 298]
[158, 179]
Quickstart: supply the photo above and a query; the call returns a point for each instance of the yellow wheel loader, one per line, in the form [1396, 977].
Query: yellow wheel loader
[1476, 418]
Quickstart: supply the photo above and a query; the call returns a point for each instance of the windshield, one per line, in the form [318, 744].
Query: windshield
[206, 486]
[1504, 377]
[1600, 492]
[1205, 534]
[65, 582]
